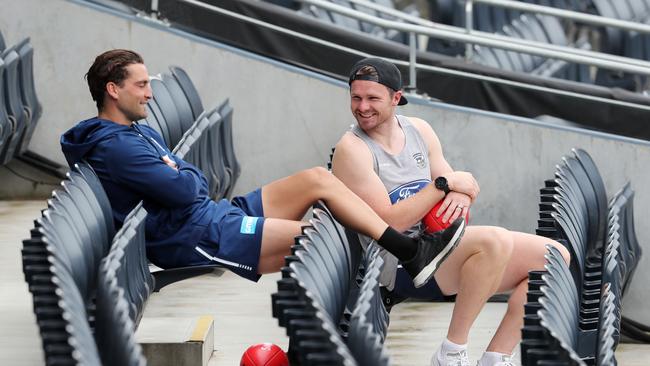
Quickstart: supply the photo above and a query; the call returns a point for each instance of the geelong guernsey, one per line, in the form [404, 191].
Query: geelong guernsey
[403, 175]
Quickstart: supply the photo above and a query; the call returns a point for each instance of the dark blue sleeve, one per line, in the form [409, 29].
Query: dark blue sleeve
[130, 161]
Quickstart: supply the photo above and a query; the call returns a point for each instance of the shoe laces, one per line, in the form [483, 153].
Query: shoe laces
[456, 358]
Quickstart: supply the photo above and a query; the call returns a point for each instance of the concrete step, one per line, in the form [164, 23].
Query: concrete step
[169, 341]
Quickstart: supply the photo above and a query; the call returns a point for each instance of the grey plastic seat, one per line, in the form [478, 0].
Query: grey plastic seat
[183, 106]
[6, 126]
[218, 171]
[189, 89]
[28, 92]
[114, 325]
[227, 144]
[167, 106]
[13, 102]
[95, 184]
[71, 332]
[160, 119]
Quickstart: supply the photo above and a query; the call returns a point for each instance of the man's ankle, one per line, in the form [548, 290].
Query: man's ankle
[449, 346]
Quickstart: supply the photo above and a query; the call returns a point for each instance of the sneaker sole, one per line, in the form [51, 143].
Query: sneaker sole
[427, 272]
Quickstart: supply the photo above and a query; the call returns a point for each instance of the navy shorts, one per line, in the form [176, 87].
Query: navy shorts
[430, 291]
[237, 236]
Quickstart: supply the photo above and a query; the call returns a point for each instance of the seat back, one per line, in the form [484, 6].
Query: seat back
[189, 89]
[122, 292]
[165, 102]
[183, 106]
[13, 101]
[28, 92]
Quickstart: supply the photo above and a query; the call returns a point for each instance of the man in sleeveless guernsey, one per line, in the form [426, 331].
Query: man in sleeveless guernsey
[252, 234]
[395, 164]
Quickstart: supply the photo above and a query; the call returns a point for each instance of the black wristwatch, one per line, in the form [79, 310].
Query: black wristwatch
[441, 184]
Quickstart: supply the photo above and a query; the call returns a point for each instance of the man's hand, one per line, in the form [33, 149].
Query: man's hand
[455, 205]
[171, 163]
[463, 182]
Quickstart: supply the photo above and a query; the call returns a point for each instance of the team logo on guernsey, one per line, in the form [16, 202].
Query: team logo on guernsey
[419, 160]
[407, 190]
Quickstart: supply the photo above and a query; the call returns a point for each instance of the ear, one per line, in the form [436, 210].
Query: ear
[111, 89]
[396, 97]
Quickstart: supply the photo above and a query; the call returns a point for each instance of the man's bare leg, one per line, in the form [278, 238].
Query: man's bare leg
[286, 201]
[277, 237]
[473, 272]
[528, 250]
[290, 198]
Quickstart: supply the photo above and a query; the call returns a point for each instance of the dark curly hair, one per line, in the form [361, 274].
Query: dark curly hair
[110, 66]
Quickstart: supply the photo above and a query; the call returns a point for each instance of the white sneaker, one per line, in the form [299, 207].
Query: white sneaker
[506, 360]
[450, 358]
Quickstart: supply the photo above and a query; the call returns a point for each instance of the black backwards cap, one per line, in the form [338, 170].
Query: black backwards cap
[387, 74]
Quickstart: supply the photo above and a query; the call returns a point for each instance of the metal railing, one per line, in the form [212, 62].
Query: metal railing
[569, 54]
[567, 14]
[436, 69]
[509, 4]
[546, 10]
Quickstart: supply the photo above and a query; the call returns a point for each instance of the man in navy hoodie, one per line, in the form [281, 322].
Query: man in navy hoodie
[251, 234]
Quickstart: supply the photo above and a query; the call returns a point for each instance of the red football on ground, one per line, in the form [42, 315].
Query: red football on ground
[264, 354]
[433, 223]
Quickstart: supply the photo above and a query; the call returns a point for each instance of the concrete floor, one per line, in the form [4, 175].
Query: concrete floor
[241, 310]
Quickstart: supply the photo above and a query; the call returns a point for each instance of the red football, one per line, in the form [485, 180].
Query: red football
[433, 223]
[264, 354]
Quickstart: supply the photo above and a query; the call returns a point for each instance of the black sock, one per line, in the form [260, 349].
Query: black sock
[399, 245]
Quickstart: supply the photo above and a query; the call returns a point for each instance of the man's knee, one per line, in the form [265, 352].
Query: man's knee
[317, 177]
[499, 244]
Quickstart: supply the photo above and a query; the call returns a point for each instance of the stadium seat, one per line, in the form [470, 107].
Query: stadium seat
[182, 103]
[27, 90]
[221, 175]
[156, 114]
[189, 89]
[169, 113]
[13, 102]
[5, 121]
[121, 294]
[228, 146]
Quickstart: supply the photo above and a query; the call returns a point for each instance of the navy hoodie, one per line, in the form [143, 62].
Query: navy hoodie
[128, 161]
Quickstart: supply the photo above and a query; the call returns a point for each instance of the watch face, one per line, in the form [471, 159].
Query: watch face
[441, 182]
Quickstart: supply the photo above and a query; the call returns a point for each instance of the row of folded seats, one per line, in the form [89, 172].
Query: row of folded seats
[611, 40]
[573, 313]
[526, 26]
[535, 28]
[532, 27]
[353, 24]
[89, 283]
[328, 298]
[20, 109]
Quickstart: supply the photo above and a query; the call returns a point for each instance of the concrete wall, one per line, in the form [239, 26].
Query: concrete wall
[287, 119]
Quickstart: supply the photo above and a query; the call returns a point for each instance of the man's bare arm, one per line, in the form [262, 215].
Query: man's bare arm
[464, 187]
[353, 165]
[458, 181]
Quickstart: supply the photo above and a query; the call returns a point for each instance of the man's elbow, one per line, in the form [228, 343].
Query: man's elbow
[183, 198]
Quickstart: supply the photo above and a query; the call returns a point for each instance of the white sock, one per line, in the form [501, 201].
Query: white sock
[449, 346]
[491, 358]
